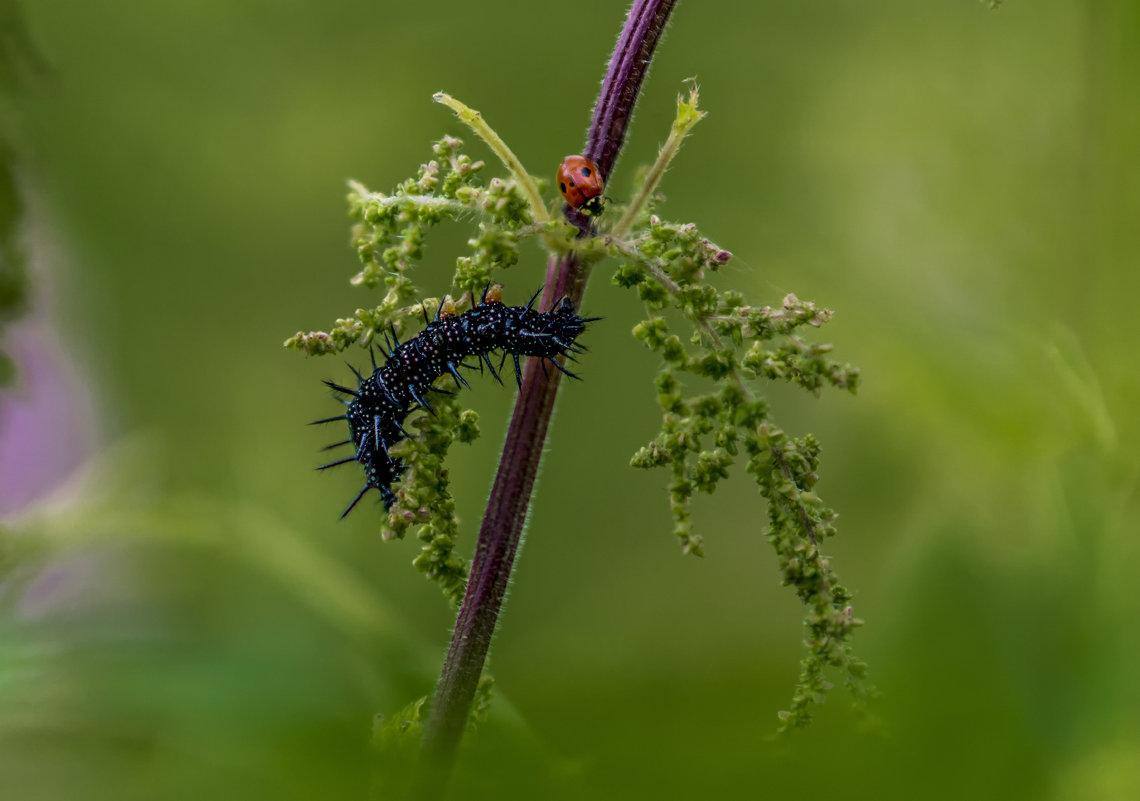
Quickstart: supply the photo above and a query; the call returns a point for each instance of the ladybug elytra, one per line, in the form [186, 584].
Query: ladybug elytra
[581, 184]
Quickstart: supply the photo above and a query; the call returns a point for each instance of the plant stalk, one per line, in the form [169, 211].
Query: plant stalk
[501, 531]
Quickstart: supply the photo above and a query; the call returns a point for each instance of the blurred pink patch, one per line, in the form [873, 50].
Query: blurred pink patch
[46, 418]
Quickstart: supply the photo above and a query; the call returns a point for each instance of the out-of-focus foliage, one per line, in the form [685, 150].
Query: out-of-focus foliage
[957, 183]
[20, 68]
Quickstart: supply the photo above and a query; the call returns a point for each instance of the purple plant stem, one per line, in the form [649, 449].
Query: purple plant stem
[509, 501]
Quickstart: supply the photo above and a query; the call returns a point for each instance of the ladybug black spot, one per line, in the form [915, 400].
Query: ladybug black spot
[562, 187]
[586, 171]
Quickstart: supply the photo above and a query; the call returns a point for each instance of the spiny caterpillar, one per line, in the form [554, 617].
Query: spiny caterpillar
[378, 407]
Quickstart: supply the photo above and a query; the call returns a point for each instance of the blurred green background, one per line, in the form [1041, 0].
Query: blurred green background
[185, 617]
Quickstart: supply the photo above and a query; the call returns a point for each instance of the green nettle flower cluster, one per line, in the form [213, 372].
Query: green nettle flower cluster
[704, 336]
[389, 238]
[731, 344]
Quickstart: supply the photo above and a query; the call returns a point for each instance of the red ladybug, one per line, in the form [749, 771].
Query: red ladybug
[581, 184]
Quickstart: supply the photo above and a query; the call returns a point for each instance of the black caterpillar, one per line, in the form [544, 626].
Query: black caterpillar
[379, 406]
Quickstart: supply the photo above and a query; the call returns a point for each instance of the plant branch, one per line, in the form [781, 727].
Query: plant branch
[688, 115]
[474, 120]
[509, 501]
[432, 202]
[656, 269]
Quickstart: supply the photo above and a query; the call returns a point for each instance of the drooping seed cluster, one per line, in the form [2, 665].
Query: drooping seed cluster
[378, 407]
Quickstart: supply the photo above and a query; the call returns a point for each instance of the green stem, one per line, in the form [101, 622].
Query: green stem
[706, 328]
[433, 202]
[474, 120]
[688, 115]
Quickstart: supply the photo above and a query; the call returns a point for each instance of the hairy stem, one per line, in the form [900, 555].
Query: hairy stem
[432, 202]
[474, 120]
[687, 116]
[509, 502]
